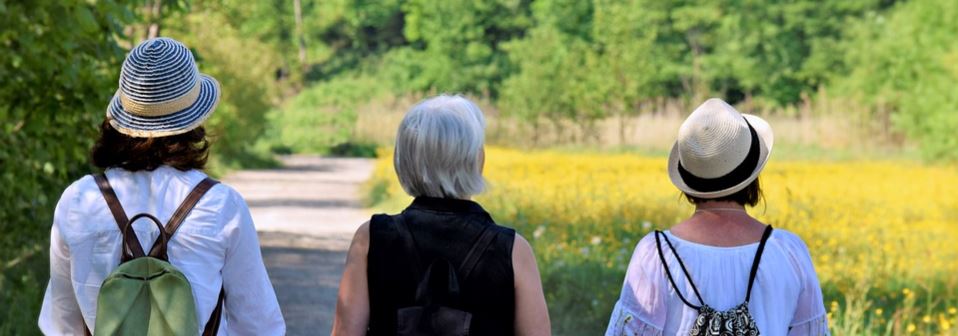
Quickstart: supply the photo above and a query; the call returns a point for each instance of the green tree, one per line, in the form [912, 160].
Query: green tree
[904, 62]
[459, 42]
[248, 81]
[58, 72]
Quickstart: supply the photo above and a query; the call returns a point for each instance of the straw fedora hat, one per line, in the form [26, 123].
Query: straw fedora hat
[719, 151]
[161, 93]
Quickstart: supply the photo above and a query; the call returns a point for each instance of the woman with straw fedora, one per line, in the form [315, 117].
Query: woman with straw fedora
[153, 149]
[721, 271]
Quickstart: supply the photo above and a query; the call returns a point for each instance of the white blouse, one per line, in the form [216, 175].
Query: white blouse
[786, 297]
[217, 245]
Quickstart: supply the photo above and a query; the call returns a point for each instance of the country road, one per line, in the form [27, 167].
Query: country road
[306, 213]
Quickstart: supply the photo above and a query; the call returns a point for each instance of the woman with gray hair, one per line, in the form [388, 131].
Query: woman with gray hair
[442, 266]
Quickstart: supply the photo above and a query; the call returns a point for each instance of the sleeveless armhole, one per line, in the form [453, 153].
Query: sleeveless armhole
[642, 306]
[810, 316]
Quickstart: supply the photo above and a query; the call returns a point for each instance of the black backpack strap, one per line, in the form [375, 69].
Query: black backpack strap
[658, 244]
[475, 253]
[131, 243]
[758, 258]
[406, 235]
[444, 272]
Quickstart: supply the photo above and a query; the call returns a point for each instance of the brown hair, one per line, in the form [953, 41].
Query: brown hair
[185, 151]
[745, 197]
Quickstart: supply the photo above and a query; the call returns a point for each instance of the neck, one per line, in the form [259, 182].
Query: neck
[719, 206]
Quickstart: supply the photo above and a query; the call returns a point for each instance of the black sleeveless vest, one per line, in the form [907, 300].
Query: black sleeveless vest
[441, 228]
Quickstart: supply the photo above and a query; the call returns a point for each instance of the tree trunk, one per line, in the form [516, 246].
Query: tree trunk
[301, 41]
[697, 82]
[156, 15]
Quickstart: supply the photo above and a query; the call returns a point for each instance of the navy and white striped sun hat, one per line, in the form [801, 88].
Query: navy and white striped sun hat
[162, 93]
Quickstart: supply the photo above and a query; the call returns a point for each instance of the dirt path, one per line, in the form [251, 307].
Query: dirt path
[306, 213]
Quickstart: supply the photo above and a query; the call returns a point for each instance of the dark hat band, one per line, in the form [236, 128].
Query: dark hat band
[741, 173]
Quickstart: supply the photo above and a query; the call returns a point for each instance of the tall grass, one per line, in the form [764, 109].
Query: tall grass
[820, 128]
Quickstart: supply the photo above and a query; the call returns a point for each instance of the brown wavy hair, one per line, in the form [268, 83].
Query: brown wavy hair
[185, 151]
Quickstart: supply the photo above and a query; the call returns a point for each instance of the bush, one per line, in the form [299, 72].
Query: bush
[59, 73]
[904, 64]
[322, 116]
[249, 85]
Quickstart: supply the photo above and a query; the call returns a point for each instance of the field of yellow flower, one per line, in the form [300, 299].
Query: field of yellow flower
[883, 234]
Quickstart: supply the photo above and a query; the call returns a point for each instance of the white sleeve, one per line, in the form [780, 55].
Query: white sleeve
[810, 316]
[642, 306]
[625, 322]
[60, 313]
[815, 327]
[251, 307]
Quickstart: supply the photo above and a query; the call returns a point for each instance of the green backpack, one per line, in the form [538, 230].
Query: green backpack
[146, 295]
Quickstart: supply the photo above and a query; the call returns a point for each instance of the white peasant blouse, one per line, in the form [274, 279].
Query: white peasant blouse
[786, 297]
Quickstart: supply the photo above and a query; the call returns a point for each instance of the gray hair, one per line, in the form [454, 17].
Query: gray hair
[438, 147]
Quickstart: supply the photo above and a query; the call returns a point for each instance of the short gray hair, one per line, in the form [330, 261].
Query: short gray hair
[438, 147]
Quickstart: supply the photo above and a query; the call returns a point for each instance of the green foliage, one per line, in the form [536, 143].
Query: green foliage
[635, 50]
[245, 69]
[459, 42]
[581, 62]
[59, 71]
[322, 116]
[586, 65]
[904, 62]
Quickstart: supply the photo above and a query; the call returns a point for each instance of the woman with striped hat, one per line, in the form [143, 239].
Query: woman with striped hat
[153, 149]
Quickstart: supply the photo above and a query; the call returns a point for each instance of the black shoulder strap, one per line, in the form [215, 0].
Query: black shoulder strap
[409, 241]
[132, 247]
[758, 258]
[658, 244]
[468, 264]
[476, 251]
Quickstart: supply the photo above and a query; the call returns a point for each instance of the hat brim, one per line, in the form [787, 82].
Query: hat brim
[765, 139]
[172, 124]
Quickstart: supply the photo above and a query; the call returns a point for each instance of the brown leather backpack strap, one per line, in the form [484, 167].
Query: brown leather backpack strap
[213, 325]
[159, 250]
[194, 197]
[132, 243]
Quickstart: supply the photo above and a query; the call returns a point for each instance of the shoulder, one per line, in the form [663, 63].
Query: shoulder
[508, 232]
[360, 243]
[523, 259]
[379, 225]
[794, 249]
[80, 190]
[521, 247]
[221, 191]
[644, 290]
[221, 196]
[789, 242]
[646, 248]
[645, 264]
